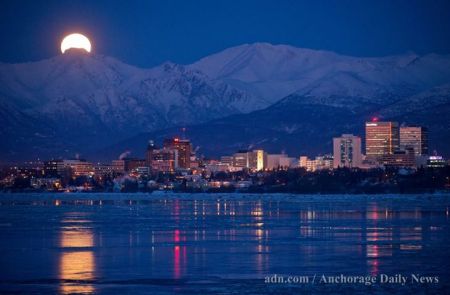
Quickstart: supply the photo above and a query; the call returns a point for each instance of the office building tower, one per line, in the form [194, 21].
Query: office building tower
[416, 138]
[382, 138]
[183, 146]
[347, 151]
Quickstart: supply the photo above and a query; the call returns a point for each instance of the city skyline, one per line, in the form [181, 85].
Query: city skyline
[386, 144]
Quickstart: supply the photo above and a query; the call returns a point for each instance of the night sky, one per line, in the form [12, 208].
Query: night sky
[147, 33]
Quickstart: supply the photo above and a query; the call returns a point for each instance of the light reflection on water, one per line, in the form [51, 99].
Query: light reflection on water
[118, 241]
[77, 263]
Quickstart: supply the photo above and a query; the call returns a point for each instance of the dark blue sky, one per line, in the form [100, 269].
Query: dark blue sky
[147, 33]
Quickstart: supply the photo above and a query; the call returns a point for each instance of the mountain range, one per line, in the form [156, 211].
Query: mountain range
[276, 97]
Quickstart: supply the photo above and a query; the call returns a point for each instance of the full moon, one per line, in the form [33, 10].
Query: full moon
[75, 41]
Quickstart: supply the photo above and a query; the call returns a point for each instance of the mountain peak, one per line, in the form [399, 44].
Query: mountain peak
[77, 96]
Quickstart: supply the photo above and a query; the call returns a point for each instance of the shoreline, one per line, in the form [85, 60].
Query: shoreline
[141, 196]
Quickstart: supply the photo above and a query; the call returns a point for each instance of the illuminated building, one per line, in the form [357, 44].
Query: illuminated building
[416, 138]
[195, 163]
[382, 138]
[149, 153]
[275, 161]
[227, 160]
[143, 170]
[436, 162]
[347, 151]
[402, 158]
[308, 164]
[289, 162]
[303, 162]
[79, 167]
[241, 159]
[324, 162]
[51, 168]
[217, 167]
[165, 160]
[47, 183]
[183, 146]
[257, 160]
[133, 163]
[118, 166]
[68, 168]
[104, 169]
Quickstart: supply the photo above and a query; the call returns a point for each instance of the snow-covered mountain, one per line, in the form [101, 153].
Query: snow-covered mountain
[299, 128]
[275, 71]
[90, 99]
[80, 102]
[316, 95]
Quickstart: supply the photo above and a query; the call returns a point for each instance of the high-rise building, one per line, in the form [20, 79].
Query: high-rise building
[403, 158]
[275, 161]
[51, 168]
[133, 163]
[241, 159]
[414, 137]
[165, 160]
[257, 160]
[347, 151]
[149, 153]
[183, 146]
[382, 138]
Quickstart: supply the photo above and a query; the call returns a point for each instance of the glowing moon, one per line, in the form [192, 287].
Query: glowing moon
[75, 41]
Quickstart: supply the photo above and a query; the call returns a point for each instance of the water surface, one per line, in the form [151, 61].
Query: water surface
[196, 244]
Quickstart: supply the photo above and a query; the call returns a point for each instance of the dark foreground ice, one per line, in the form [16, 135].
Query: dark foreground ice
[221, 244]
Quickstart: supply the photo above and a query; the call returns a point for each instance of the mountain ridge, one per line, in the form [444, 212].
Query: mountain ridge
[299, 70]
[80, 103]
[81, 97]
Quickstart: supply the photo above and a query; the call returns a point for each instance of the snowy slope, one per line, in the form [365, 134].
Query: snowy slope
[276, 71]
[300, 128]
[79, 98]
[77, 102]
[325, 95]
[84, 85]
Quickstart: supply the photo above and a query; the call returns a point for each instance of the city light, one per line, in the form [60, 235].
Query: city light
[177, 166]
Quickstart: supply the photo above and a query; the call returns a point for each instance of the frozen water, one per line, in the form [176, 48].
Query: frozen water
[208, 243]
